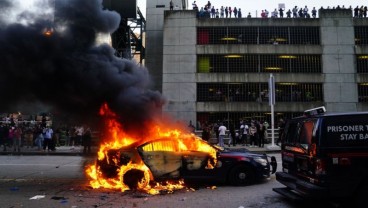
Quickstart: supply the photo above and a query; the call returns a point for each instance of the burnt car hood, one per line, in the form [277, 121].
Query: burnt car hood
[244, 153]
[239, 152]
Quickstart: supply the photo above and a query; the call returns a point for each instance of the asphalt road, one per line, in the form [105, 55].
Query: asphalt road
[59, 181]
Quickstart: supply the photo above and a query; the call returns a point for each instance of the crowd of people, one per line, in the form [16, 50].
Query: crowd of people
[250, 133]
[210, 11]
[42, 137]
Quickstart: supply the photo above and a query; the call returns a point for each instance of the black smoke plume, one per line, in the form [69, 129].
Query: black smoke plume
[4, 7]
[66, 72]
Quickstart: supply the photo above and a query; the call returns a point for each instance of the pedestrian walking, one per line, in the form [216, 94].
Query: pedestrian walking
[39, 139]
[17, 139]
[244, 131]
[47, 135]
[261, 135]
[252, 134]
[222, 133]
[87, 140]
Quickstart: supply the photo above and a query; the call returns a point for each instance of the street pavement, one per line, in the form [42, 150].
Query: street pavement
[78, 150]
[61, 150]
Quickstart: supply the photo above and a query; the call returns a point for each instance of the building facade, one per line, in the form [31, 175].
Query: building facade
[217, 69]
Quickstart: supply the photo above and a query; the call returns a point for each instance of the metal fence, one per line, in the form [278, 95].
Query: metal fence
[257, 63]
[363, 92]
[258, 92]
[305, 35]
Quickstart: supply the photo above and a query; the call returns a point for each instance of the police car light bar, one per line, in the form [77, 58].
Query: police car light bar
[315, 111]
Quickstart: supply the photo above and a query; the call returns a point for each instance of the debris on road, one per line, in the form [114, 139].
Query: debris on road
[37, 197]
[14, 189]
[58, 198]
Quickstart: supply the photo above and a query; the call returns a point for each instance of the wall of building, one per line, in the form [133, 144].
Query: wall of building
[338, 59]
[179, 64]
[338, 50]
[154, 37]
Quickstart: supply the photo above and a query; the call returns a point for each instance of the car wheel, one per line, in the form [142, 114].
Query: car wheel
[242, 175]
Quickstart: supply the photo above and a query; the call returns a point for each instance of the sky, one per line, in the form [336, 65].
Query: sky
[256, 6]
[253, 6]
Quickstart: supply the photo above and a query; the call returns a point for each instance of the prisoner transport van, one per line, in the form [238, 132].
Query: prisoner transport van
[325, 156]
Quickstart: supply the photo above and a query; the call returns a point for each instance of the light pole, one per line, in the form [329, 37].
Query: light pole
[272, 102]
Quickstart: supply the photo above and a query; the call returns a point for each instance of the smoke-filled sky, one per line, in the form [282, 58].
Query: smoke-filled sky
[67, 73]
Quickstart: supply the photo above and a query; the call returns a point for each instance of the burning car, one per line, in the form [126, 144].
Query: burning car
[164, 157]
[151, 165]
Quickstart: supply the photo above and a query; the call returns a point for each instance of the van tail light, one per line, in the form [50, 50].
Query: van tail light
[320, 167]
[344, 161]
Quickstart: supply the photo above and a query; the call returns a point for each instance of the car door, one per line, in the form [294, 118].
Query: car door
[195, 166]
[161, 158]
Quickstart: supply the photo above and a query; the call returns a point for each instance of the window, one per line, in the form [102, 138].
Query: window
[258, 35]
[304, 35]
[306, 133]
[291, 132]
[361, 35]
[299, 92]
[273, 35]
[363, 92]
[362, 63]
[257, 63]
[210, 92]
[258, 92]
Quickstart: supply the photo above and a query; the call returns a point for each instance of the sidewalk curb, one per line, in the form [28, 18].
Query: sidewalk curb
[66, 151]
[47, 154]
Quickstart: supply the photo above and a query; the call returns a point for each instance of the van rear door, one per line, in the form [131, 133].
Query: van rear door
[297, 141]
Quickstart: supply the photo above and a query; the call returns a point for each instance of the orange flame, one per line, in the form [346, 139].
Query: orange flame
[48, 31]
[157, 139]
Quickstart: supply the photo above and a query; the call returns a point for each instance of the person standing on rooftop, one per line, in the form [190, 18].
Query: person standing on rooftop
[249, 16]
[281, 12]
[194, 5]
[235, 12]
[266, 13]
[288, 14]
[305, 12]
[356, 11]
[295, 12]
[213, 12]
[314, 12]
[171, 5]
